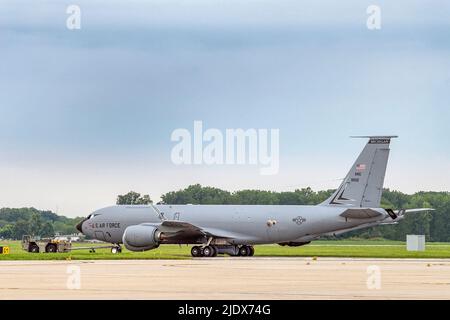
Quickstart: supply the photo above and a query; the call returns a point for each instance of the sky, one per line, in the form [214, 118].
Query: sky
[88, 114]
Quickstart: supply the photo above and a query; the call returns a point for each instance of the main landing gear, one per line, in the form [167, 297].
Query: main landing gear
[213, 251]
[246, 251]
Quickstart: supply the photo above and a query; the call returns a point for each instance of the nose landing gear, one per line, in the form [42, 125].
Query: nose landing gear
[116, 249]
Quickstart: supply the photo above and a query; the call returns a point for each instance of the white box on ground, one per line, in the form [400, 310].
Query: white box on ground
[415, 242]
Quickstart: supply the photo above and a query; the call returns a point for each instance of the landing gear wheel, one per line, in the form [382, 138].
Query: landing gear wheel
[34, 249]
[252, 251]
[196, 251]
[244, 251]
[215, 251]
[115, 250]
[51, 248]
[208, 251]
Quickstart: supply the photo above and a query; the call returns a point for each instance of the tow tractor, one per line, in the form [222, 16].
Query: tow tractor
[36, 245]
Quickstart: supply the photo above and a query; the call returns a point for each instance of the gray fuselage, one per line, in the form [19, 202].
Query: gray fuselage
[239, 224]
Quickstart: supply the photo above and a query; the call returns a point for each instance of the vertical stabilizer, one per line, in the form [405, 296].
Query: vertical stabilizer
[363, 185]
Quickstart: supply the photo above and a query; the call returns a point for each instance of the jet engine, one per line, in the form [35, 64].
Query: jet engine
[141, 238]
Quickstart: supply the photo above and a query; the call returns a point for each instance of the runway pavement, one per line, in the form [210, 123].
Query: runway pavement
[227, 278]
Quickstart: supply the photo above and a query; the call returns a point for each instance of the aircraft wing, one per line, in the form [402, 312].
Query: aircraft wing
[179, 225]
[177, 230]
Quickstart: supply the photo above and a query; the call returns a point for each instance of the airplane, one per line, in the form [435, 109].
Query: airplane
[234, 229]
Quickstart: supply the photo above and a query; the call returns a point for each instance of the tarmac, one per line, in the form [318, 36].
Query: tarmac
[227, 278]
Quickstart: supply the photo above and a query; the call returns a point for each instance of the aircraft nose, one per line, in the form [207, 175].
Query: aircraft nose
[79, 226]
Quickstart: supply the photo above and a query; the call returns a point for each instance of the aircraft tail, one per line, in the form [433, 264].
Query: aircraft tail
[363, 185]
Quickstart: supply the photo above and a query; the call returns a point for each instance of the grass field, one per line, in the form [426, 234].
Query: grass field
[343, 248]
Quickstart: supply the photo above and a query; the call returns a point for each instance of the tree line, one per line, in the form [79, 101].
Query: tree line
[16, 222]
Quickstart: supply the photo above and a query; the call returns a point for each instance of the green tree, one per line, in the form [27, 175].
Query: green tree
[7, 232]
[35, 224]
[133, 198]
[255, 197]
[15, 222]
[20, 228]
[47, 230]
[196, 194]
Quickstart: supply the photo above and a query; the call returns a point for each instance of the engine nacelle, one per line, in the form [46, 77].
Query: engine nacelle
[141, 238]
[294, 244]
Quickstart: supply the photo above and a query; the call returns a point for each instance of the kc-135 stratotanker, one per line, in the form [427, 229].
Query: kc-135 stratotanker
[234, 229]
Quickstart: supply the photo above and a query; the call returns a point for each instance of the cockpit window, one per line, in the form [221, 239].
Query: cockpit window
[92, 215]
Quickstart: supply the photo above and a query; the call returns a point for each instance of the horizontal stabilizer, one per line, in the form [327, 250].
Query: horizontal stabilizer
[360, 213]
[388, 223]
[403, 211]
